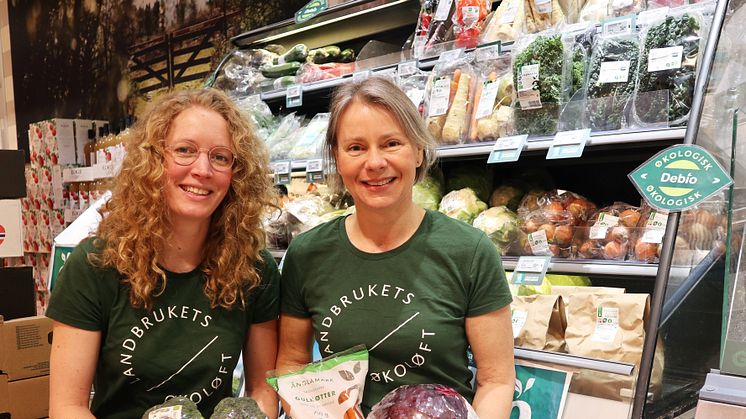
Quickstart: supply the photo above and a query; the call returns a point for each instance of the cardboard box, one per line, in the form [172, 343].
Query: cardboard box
[24, 399]
[14, 180]
[25, 346]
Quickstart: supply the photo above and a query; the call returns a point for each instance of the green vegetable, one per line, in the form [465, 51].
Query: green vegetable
[547, 52]
[551, 280]
[347, 56]
[427, 193]
[651, 98]
[297, 53]
[607, 101]
[179, 407]
[280, 70]
[238, 408]
[325, 55]
[501, 225]
[462, 205]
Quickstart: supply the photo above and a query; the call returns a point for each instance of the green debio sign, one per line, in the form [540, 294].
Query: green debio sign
[679, 177]
[310, 10]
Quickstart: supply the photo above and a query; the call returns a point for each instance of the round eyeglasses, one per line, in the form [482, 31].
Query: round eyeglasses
[186, 153]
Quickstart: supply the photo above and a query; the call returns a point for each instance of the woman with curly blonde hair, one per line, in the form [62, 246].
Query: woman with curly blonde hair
[176, 281]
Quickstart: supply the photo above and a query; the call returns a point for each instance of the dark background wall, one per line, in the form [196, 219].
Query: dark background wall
[71, 58]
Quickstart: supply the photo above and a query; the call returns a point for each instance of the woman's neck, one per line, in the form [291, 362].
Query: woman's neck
[184, 247]
[376, 232]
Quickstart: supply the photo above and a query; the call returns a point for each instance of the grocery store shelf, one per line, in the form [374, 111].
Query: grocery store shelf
[597, 139]
[566, 360]
[600, 267]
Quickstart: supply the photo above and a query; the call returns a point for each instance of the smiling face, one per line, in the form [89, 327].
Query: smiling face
[375, 158]
[194, 191]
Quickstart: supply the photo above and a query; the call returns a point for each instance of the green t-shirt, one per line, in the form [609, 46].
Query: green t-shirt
[182, 347]
[407, 305]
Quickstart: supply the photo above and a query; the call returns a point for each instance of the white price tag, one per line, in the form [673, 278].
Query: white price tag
[315, 165]
[360, 76]
[530, 270]
[529, 73]
[281, 167]
[538, 242]
[571, 137]
[543, 6]
[620, 26]
[607, 325]
[508, 16]
[602, 225]
[450, 55]
[531, 264]
[647, 17]
[444, 8]
[529, 99]
[487, 100]
[614, 72]
[510, 143]
[406, 68]
[660, 59]
[518, 318]
[439, 97]
[507, 149]
[569, 144]
[416, 96]
[294, 96]
[655, 228]
[488, 52]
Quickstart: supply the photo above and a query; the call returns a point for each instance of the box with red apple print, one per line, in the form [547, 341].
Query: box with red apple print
[53, 142]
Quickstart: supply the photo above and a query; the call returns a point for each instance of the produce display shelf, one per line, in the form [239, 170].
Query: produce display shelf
[600, 267]
[567, 360]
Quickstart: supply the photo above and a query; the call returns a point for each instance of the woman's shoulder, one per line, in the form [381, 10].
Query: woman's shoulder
[443, 225]
[328, 231]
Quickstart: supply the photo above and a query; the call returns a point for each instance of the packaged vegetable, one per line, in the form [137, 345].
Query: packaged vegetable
[492, 117]
[259, 114]
[330, 388]
[626, 7]
[427, 193]
[542, 15]
[282, 140]
[468, 21]
[306, 212]
[668, 65]
[448, 100]
[423, 401]
[310, 72]
[537, 74]
[611, 81]
[501, 225]
[462, 204]
[608, 233]
[441, 30]
[571, 9]
[549, 231]
[310, 142]
[174, 408]
[594, 11]
[578, 42]
[415, 86]
[238, 408]
[579, 207]
[506, 23]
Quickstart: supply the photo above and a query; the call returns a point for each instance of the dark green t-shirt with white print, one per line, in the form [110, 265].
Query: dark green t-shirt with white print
[407, 305]
[183, 347]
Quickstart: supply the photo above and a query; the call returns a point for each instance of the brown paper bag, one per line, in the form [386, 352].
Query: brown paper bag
[539, 322]
[567, 291]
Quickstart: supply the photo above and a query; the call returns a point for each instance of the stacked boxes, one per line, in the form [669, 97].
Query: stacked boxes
[25, 345]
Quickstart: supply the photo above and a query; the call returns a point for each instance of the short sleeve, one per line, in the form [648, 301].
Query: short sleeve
[488, 290]
[76, 297]
[291, 291]
[266, 304]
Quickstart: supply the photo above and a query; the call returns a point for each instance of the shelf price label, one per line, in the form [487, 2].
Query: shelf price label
[488, 52]
[623, 25]
[282, 170]
[569, 144]
[359, 76]
[406, 68]
[294, 96]
[315, 171]
[507, 149]
[530, 270]
[450, 56]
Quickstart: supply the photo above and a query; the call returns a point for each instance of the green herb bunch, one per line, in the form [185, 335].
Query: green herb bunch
[547, 52]
[607, 101]
[650, 102]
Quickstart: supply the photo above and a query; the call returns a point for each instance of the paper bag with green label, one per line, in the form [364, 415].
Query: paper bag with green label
[331, 388]
[609, 327]
[539, 322]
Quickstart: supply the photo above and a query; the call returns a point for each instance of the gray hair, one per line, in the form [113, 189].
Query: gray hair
[382, 92]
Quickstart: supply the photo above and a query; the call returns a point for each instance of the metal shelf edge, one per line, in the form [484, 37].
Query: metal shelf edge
[611, 367]
[590, 267]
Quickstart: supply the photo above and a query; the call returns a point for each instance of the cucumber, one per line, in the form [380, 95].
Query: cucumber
[280, 70]
[324, 55]
[347, 56]
[297, 53]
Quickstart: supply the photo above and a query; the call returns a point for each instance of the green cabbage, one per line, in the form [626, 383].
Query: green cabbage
[501, 225]
[427, 193]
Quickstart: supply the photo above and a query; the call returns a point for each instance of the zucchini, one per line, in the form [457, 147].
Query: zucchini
[280, 70]
[297, 53]
[347, 56]
[324, 55]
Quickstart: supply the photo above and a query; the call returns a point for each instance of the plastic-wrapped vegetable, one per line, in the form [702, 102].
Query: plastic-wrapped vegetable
[648, 237]
[468, 21]
[608, 233]
[626, 7]
[611, 81]
[506, 23]
[423, 401]
[579, 207]
[537, 74]
[238, 408]
[176, 408]
[449, 105]
[415, 85]
[462, 204]
[310, 142]
[259, 114]
[443, 22]
[501, 225]
[667, 70]
[594, 11]
[427, 193]
[577, 52]
[310, 72]
[550, 232]
[493, 99]
[282, 140]
[542, 15]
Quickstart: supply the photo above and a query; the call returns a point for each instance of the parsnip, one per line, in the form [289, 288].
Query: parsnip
[455, 124]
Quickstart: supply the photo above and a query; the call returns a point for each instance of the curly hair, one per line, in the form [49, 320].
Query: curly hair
[136, 225]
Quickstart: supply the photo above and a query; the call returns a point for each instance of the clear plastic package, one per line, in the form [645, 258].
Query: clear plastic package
[506, 24]
[542, 15]
[608, 233]
[594, 11]
[282, 140]
[578, 42]
[448, 100]
[492, 117]
[310, 142]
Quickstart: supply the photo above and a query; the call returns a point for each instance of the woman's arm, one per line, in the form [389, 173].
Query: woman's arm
[296, 340]
[491, 339]
[72, 366]
[259, 356]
